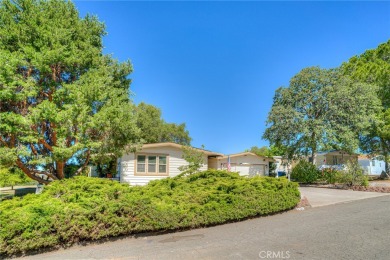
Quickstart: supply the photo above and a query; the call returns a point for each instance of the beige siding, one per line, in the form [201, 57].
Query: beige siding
[213, 163]
[175, 160]
[320, 160]
[241, 163]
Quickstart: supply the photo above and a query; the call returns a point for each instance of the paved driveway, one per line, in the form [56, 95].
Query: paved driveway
[318, 197]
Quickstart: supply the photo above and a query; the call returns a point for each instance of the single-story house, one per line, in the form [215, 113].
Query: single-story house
[334, 158]
[372, 166]
[162, 160]
[246, 164]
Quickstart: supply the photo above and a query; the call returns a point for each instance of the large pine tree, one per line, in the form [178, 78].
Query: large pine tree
[61, 99]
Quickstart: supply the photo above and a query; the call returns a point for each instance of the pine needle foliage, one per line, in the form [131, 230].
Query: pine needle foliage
[85, 209]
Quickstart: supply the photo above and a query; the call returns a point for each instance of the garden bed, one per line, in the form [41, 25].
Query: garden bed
[382, 189]
[86, 209]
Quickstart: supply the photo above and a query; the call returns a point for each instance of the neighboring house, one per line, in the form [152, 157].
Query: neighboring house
[372, 166]
[334, 158]
[246, 164]
[162, 160]
[282, 166]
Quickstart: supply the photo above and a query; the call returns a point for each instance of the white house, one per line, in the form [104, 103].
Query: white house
[246, 164]
[334, 158]
[371, 166]
[161, 160]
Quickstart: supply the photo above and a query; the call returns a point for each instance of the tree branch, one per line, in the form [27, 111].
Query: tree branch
[33, 149]
[79, 170]
[29, 173]
[46, 145]
[48, 174]
[3, 142]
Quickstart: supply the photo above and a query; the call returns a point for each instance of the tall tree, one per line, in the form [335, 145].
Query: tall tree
[176, 133]
[320, 110]
[373, 67]
[150, 122]
[273, 150]
[61, 99]
[155, 130]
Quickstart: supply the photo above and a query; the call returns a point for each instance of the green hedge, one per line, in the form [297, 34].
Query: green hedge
[351, 175]
[82, 208]
[305, 172]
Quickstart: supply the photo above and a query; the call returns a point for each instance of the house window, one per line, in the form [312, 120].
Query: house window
[141, 159]
[162, 164]
[151, 165]
[373, 162]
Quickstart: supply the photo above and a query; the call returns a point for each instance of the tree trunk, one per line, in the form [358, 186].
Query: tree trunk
[313, 148]
[385, 153]
[386, 157]
[60, 169]
[85, 163]
[313, 155]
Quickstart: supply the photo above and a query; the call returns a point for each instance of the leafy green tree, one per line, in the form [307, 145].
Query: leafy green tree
[176, 133]
[373, 67]
[266, 151]
[61, 99]
[155, 130]
[320, 110]
[150, 122]
[260, 151]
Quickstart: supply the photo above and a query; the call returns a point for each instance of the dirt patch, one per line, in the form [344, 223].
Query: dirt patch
[383, 189]
[380, 183]
[304, 203]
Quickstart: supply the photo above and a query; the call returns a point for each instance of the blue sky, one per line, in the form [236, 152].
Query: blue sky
[216, 65]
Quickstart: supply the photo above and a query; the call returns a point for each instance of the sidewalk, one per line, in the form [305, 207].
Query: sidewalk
[319, 197]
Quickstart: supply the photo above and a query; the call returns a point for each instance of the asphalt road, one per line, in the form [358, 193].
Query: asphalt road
[354, 230]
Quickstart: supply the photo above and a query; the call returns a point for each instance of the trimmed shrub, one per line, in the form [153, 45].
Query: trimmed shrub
[353, 175]
[330, 175]
[305, 172]
[10, 177]
[81, 208]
